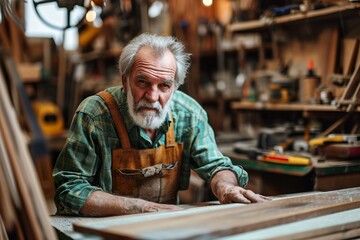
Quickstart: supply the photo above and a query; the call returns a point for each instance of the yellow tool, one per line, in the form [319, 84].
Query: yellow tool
[334, 138]
[285, 159]
[49, 117]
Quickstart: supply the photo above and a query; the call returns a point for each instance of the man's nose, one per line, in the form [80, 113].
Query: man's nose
[152, 94]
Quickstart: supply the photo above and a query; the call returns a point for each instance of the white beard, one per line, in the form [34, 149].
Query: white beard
[147, 119]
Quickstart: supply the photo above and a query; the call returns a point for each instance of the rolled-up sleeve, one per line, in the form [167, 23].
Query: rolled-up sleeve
[207, 158]
[76, 167]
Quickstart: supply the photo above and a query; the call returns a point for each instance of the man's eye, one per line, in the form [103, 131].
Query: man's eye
[141, 82]
[165, 86]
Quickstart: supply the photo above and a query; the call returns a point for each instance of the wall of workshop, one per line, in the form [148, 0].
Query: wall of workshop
[185, 25]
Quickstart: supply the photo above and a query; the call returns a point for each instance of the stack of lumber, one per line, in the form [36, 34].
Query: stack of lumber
[21, 72]
[321, 215]
[23, 211]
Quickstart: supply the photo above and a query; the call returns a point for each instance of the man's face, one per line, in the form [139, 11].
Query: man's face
[150, 88]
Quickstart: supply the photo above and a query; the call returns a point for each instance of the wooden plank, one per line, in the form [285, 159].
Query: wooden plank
[357, 63]
[224, 222]
[350, 234]
[38, 143]
[351, 96]
[33, 207]
[350, 47]
[256, 25]
[338, 181]
[61, 79]
[4, 36]
[246, 105]
[10, 199]
[16, 48]
[318, 227]
[7, 120]
[328, 40]
[7, 211]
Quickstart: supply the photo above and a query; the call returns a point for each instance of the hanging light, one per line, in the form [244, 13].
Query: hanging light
[90, 15]
[93, 15]
[207, 3]
[155, 9]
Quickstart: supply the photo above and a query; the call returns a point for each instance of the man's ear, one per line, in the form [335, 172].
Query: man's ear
[124, 82]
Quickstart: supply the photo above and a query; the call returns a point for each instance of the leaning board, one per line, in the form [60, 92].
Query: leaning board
[225, 220]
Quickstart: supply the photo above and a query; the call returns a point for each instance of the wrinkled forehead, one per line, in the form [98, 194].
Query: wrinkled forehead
[155, 54]
[153, 62]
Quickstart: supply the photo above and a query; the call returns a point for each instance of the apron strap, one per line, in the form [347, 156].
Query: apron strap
[117, 119]
[120, 126]
[170, 135]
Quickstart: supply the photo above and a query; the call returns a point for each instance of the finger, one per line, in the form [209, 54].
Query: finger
[254, 197]
[167, 207]
[237, 197]
[265, 197]
[158, 207]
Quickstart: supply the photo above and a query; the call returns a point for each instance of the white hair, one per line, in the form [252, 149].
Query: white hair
[159, 44]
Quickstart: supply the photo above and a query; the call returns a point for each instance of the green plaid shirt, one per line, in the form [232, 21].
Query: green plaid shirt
[84, 164]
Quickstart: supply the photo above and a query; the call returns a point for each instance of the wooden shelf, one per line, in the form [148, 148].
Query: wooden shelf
[96, 54]
[325, 13]
[245, 105]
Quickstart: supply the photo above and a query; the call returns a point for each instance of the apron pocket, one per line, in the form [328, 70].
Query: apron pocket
[157, 183]
[170, 181]
[124, 182]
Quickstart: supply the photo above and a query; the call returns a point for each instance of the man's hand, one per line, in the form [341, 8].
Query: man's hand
[224, 186]
[100, 203]
[157, 207]
[236, 194]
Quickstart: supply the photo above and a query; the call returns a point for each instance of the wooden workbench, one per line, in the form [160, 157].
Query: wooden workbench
[64, 224]
[273, 179]
[334, 214]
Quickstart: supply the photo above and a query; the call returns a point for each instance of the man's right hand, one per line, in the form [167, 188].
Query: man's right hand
[158, 207]
[100, 203]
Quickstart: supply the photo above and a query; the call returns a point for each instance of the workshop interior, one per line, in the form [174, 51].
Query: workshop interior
[280, 83]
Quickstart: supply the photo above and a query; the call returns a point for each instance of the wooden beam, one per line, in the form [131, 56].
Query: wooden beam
[330, 13]
[230, 221]
[350, 48]
[351, 96]
[4, 36]
[34, 213]
[7, 211]
[323, 227]
[8, 120]
[328, 47]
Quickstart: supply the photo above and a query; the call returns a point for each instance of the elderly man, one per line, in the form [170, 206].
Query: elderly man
[130, 149]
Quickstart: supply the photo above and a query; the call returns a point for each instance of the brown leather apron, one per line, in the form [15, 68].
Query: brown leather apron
[150, 174]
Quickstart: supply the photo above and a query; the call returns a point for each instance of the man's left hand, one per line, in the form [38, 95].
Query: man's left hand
[236, 194]
[224, 186]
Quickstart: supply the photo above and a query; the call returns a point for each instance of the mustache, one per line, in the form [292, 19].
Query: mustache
[143, 103]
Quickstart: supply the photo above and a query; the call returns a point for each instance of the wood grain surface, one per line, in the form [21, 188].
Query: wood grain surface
[29, 201]
[219, 221]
